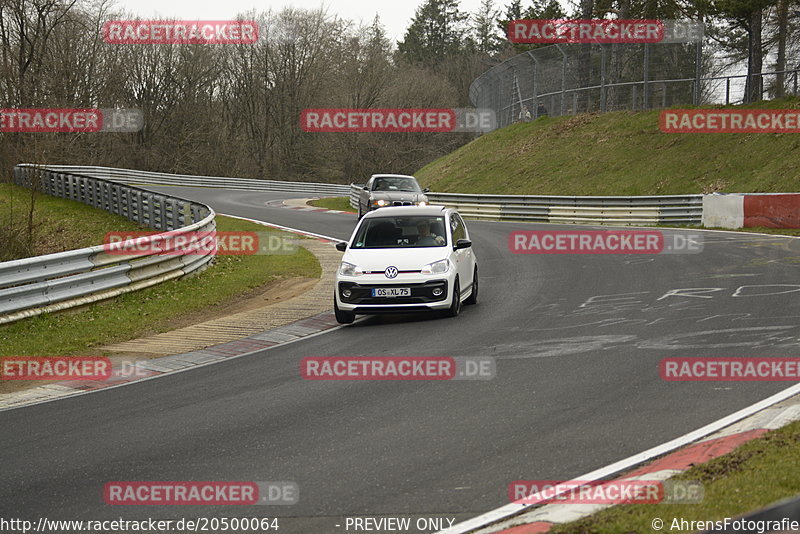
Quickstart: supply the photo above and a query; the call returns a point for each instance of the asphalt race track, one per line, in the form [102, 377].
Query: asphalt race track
[577, 339]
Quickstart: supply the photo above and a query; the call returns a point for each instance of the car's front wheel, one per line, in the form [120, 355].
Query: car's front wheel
[455, 306]
[344, 317]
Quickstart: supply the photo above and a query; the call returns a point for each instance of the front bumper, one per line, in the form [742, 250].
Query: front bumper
[423, 297]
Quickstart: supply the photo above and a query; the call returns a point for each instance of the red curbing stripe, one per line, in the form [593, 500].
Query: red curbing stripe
[530, 528]
[698, 453]
[772, 211]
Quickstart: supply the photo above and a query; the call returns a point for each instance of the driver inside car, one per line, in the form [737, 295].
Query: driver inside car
[426, 238]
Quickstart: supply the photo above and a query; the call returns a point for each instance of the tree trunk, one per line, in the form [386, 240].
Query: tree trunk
[780, 63]
[753, 88]
[585, 60]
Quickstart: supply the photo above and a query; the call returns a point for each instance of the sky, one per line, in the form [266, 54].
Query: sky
[395, 15]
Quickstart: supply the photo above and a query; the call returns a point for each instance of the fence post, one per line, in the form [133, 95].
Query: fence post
[563, 77]
[602, 78]
[697, 72]
[535, 88]
[727, 91]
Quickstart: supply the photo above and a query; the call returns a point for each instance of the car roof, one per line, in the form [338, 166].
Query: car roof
[405, 211]
[392, 176]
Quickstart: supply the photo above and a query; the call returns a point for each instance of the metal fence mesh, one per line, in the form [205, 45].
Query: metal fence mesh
[565, 79]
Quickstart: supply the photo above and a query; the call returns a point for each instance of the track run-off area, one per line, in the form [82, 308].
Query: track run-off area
[577, 340]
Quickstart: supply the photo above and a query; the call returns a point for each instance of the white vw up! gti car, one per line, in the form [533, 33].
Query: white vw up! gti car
[405, 260]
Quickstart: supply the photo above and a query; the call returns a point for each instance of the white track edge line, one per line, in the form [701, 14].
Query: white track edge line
[224, 359]
[508, 510]
[175, 371]
[285, 228]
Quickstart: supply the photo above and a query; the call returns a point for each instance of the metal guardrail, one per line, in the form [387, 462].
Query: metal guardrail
[670, 209]
[129, 176]
[53, 282]
[680, 209]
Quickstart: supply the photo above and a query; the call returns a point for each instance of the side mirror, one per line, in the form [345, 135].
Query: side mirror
[462, 243]
[365, 188]
[426, 190]
[341, 246]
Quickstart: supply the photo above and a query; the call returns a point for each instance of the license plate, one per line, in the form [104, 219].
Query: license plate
[391, 292]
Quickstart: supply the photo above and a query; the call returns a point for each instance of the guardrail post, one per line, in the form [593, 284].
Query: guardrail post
[94, 199]
[58, 186]
[69, 190]
[160, 212]
[172, 214]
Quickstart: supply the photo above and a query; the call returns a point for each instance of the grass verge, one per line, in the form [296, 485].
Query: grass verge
[152, 310]
[333, 203]
[756, 474]
[618, 153]
[58, 224]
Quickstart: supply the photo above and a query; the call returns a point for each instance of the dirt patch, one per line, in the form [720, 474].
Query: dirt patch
[276, 291]
[260, 297]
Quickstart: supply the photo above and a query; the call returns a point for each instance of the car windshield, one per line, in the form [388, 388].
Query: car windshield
[395, 183]
[401, 232]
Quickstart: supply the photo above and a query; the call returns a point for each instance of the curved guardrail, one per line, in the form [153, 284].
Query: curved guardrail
[650, 210]
[129, 176]
[671, 209]
[32, 286]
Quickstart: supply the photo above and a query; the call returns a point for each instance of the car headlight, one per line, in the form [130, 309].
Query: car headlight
[422, 203]
[437, 267]
[348, 269]
[380, 202]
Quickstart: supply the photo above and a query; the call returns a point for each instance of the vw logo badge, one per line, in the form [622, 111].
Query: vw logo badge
[390, 272]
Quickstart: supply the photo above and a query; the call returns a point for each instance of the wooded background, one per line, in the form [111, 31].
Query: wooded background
[233, 110]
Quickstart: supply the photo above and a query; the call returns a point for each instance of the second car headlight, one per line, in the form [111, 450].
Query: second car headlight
[437, 267]
[380, 202]
[348, 269]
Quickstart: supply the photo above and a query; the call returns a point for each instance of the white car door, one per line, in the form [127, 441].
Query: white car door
[463, 257]
[469, 253]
